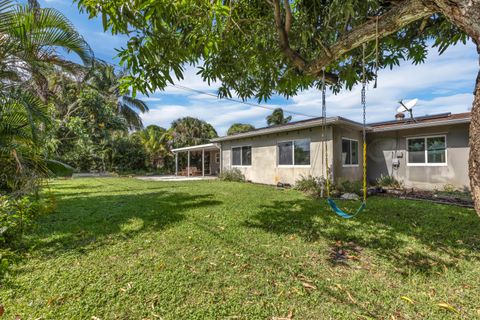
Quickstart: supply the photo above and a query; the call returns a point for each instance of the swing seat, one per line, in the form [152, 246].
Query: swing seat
[343, 214]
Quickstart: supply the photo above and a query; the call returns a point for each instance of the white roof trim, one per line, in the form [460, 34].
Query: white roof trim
[209, 146]
[422, 125]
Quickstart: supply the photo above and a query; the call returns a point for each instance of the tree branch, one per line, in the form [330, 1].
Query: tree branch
[288, 16]
[297, 60]
[390, 22]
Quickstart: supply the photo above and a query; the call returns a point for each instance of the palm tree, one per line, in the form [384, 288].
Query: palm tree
[29, 42]
[29, 47]
[277, 117]
[189, 131]
[21, 163]
[107, 82]
[156, 141]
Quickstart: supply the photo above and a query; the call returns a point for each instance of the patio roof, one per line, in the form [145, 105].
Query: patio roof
[200, 147]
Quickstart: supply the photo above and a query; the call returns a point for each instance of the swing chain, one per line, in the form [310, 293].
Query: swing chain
[364, 106]
[324, 136]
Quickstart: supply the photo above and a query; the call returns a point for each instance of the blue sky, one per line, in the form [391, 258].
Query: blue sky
[442, 84]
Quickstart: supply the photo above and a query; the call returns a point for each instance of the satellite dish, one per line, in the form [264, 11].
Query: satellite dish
[408, 106]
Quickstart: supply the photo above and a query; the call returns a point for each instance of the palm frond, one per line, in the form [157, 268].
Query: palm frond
[135, 104]
[41, 32]
[132, 118]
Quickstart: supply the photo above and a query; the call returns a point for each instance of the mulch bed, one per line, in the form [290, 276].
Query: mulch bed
[432, 196]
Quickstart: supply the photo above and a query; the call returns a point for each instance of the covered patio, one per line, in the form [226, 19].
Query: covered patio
[201, 160]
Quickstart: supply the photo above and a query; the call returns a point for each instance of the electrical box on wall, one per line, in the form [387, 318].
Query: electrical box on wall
[396, 163]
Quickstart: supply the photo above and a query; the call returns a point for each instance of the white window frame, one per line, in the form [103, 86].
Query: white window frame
[241, 156]
[293, 154]
[426, 163]
[358, 153]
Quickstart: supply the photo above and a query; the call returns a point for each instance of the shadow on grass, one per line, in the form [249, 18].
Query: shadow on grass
[83, 223]
[414, 236]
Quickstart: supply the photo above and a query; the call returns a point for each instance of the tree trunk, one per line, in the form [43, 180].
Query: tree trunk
[465, 14]
[474, 160]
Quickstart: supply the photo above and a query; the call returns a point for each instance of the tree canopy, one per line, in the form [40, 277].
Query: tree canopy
[277, 117]
[239, 128]
[190, 131]
[238, 43]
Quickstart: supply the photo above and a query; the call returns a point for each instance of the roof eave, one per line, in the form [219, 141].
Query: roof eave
[286, 128]
[197, 147]
[421, 125]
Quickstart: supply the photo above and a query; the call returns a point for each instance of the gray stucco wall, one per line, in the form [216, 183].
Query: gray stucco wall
[214, 166]
[341, 172]
[265, 168]
[383, 147]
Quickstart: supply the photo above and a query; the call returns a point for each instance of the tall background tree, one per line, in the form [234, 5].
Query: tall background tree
[156, 141]
[281, 47]
[278, 117]
[239, 128]
[190, 131]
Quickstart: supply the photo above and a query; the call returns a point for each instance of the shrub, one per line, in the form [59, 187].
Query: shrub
[449, 188]
[389, 181]
[311, 186]
[232, 175]
[16, 217]
[348, 186]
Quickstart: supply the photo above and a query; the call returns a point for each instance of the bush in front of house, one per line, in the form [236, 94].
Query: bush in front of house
[312, 186]
[232, 175]
[388, 181]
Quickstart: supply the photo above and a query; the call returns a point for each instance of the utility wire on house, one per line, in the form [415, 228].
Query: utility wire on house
[240, 101]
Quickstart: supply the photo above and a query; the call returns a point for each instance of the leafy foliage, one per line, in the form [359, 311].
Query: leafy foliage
[232, 175]
[237, 43]
[106, 82]
[277, 118]
[389, 182]
[347, 186]
[29, 51]
[312, 186]
[190, 131]
[16, 217]
[156, 141]
[128, 154]
[239, 128]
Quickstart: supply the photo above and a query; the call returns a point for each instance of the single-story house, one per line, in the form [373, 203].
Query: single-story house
[427, 152]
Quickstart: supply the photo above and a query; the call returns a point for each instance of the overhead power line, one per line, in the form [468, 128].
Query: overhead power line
[241, 101]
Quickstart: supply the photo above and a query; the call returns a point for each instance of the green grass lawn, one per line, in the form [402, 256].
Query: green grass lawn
[120, 248]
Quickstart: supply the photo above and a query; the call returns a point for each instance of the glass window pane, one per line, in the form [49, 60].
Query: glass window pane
[436, 150]
[302, 152]
[354, 146]
[246, 156]
[416, 150]
[346, 151]
[236, 156]
[285, 153]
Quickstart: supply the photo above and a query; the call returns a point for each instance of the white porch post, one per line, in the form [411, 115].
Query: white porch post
[176, 163]
[203, 162]
[220, 170]
[188, 163]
